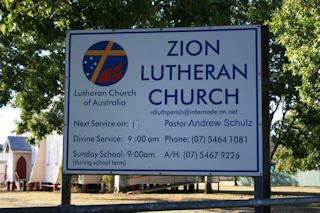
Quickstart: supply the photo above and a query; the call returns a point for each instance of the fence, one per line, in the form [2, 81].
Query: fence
[163, 206]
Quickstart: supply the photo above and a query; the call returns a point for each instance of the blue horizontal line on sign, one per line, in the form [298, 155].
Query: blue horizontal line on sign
[146, 170]
[161, 31]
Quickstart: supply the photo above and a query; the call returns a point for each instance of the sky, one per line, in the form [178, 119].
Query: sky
[7, 117]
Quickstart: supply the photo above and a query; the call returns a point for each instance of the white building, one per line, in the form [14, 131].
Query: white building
[20, 160]
[48, 161]
[3, 168]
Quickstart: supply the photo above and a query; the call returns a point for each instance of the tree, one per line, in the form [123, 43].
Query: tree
[299, 34]
[301, 141]
[33, 36]
[298, 131]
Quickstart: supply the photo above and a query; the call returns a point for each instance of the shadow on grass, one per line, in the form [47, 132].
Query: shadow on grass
[305, 194]
[234, 192]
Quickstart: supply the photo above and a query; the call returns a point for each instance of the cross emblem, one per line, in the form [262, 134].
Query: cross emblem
[104, 55]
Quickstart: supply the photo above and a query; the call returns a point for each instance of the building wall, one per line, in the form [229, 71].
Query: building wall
[123, 180]
[38, 171]
[120, 181]
[12, 164]
[300, 178]
[3, 172]
[89, 179]
[309, 178]
[11, 168]
[156, 179]
[48, 160]
[54, 144]
[28, 158]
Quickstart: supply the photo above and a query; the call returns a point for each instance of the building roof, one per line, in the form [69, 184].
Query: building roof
[17, 143]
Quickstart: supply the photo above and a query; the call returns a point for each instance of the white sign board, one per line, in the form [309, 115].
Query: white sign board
[180, 101]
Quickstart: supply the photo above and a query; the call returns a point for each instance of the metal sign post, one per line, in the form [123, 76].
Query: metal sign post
[66, 189]
[262, 183]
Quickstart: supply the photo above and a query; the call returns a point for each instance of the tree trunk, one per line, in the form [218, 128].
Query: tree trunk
[235, 181]
[208, 188]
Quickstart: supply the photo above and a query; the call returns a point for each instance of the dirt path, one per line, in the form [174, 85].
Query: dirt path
[29, 199]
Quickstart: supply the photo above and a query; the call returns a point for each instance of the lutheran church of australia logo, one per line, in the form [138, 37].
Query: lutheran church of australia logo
[105, 63]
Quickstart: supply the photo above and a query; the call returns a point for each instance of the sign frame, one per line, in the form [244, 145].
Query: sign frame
[258, 60]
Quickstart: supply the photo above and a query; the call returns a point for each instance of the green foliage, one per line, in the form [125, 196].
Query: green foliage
[76, 188]
[32, 46]
[300, 35]
[301, 143]
[108, 180]
[298, 132]
[32, 42]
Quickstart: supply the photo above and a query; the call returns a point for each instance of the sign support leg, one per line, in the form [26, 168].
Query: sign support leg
[262, 183]
[66, 189]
